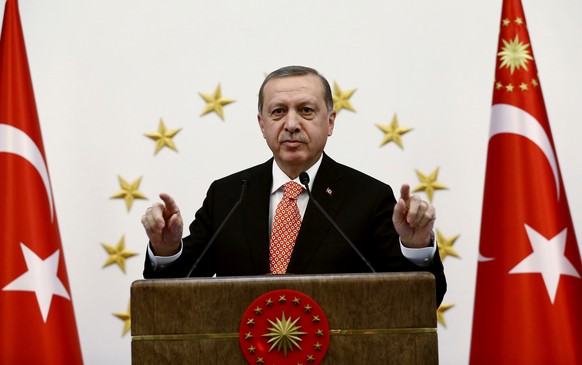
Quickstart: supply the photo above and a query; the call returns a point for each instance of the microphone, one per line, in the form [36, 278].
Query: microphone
[304, 178]
[243, 189]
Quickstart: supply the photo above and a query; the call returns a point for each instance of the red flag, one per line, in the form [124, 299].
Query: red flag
[37, 322]
[528, 301]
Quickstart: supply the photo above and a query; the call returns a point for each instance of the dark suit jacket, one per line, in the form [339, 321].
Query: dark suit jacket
[361, 205]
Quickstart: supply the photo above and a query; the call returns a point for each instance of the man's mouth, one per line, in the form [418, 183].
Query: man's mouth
[292, 142]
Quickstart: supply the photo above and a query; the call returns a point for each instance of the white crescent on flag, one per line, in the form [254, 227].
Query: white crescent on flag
[15, 141]
[507, 118]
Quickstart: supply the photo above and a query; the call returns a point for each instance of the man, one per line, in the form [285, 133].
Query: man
[296, 117]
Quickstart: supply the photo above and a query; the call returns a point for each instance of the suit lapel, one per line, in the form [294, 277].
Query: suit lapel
[329, 189]
[255, 208]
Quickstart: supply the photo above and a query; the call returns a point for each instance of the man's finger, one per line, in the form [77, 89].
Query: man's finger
[421, 214]
[171, 206]
[155, 216]
[405, 193]
[152, 228]
[414, 207]
[175, 226]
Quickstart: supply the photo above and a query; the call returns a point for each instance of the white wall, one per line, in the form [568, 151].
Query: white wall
[105, 71]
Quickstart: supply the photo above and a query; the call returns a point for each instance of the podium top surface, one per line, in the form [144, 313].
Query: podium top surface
[354, 301]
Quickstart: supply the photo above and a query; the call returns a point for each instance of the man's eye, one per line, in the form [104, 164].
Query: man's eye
[308, 112]
[277, 111]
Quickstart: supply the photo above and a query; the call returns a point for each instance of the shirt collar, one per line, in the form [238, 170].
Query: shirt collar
[280, 178]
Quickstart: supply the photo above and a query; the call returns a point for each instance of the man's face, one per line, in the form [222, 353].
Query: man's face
[295, 121]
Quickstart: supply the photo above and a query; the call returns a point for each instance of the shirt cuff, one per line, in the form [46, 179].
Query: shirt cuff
[159, 262]
[419, 256]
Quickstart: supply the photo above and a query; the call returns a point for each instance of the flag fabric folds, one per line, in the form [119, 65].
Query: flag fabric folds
[528, 301]
[37, 322]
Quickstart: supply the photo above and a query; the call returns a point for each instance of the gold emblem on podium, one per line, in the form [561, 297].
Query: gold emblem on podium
[284, 327]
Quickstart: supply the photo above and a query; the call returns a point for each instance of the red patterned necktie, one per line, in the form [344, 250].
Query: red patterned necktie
[285, 229]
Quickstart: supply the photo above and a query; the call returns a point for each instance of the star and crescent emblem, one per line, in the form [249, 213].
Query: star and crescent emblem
[548, 257]
[41, 275]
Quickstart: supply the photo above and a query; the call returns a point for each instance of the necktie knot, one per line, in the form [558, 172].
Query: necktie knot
[292, 190]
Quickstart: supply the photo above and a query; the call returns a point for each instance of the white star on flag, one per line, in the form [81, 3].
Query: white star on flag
[547, 259]
[41, 278]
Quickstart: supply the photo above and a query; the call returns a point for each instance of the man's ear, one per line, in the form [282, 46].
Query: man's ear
[261, 124]
[331, 120]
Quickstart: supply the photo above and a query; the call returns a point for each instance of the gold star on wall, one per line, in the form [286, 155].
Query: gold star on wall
[163, 137]
[429, 184]
[441, 313]
[118, 254]
[129, 192]
[215, 102]
[126, 318]
[341, 99]
[393, 132]
[445, 245]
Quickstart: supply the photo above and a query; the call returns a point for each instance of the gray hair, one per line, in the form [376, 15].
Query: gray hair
[289, 71]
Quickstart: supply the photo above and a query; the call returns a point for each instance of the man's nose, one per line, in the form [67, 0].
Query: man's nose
[292, 121]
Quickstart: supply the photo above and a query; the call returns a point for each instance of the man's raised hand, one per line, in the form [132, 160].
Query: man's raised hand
[164, 226]
[413, 219]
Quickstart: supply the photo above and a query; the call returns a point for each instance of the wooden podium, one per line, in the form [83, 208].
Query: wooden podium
[385, 318]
